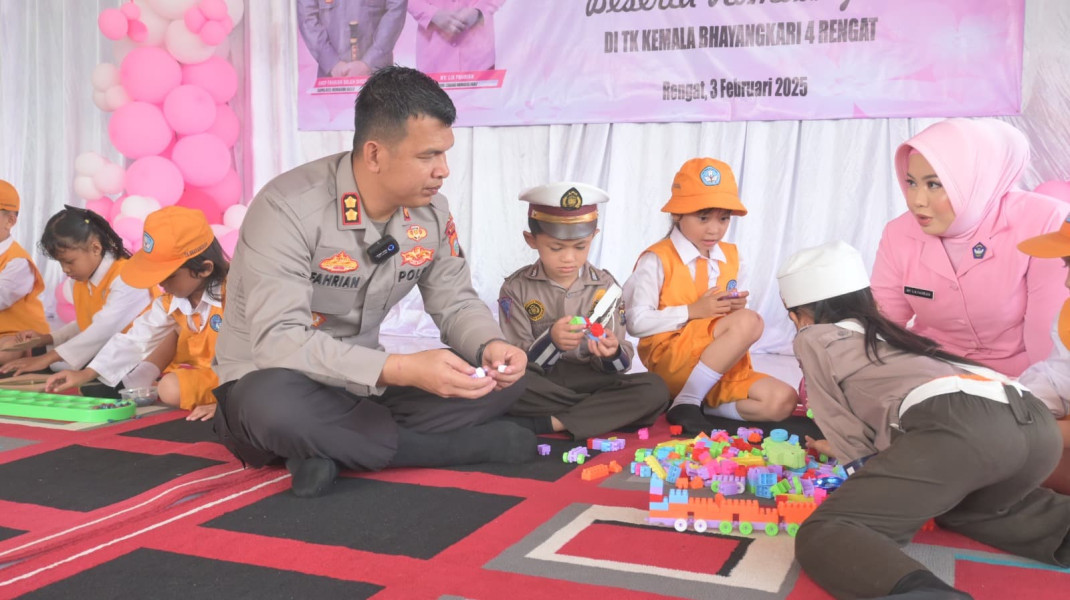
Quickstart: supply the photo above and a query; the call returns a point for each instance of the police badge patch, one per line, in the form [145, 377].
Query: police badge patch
[535, 310]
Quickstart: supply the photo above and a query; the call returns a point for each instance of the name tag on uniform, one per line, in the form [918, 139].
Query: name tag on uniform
[913, 291]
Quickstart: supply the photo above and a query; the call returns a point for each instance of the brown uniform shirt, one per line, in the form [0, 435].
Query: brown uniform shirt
[303, 294]
[530, 302]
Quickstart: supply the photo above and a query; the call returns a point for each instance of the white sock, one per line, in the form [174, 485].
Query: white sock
[727, 410]
[698, 384]
[143, 375]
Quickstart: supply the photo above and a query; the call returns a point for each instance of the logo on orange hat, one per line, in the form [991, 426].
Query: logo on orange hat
[710, 176]
[339, 263]
[147, 243]
[417, 256]
[416, 233]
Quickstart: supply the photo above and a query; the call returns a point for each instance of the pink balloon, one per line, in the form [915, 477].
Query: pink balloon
[130, 229]
[214, 9]
[109, 179]
[202, 158]
[130, 10]
[139, 129]
[101, 206]
[112, 24]
[198, 200]
[213, 33]
[189, 109]
[215, 75]
[195, 19]
[1055, 189]
[228, 242]
[226, 126]
[155, 177]
[65, 310]
[137, 31]
[149, 73]
[227, 192]
[116, 209]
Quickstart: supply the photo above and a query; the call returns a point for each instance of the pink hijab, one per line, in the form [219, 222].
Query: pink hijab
[978, 162]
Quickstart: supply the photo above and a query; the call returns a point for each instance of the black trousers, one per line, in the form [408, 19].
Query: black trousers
[280, 413]
[971, 463]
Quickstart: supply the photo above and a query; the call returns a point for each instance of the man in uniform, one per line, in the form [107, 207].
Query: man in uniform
[350, 38]
[325, 250]
[569, 316]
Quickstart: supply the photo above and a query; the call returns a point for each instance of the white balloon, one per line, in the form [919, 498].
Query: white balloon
[186, 46]
[68, 290]
[171, 9]
[220, 230]
[234, 215]
[101, 100]
[120, 48]
[104, 76]
[109, 179]
[88, 163]
[84, 188]
[138, 207]
[154, 22]
[116, 97]
[235, 10]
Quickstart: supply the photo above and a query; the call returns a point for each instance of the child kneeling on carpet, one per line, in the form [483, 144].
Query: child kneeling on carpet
[1049, 380]
[20, 282]
[940, 437]
[177, 334]
[576, 378]
[693, 334]
[91, 254]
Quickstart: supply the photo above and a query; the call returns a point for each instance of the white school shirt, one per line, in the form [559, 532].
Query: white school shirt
[16, 280]
[642, 291]
[77, 347]
[1049, 379]
[119, 356]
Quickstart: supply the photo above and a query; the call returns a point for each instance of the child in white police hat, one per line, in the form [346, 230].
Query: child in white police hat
[938, 437]
[569, 316]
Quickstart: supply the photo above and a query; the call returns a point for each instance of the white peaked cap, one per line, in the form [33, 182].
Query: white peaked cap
[821, 272]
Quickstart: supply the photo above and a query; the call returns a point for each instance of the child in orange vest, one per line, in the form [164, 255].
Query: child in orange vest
[20, 281]
[1049, 379]
[685, 304]
[91, 254]
[177, 334]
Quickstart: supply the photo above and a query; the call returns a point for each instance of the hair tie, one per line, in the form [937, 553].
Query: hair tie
[86, 221]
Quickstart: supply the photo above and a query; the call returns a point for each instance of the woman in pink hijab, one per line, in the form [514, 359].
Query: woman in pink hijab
[951, 261]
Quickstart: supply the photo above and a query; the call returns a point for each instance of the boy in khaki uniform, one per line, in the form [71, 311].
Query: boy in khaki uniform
[576, 379]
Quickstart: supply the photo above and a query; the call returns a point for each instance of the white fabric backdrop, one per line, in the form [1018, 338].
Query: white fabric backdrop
[804, 182]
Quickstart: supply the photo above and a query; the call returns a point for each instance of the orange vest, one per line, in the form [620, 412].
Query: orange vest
[195, 348]
[673, 354]
[27, 312]
[1064, 324]
[88, 302]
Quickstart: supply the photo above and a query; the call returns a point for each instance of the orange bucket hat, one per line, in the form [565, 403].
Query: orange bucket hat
[173, 235]
[704, 183]
[1050, 245]
[9, 198]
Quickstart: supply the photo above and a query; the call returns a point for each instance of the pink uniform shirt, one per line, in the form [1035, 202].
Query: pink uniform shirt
[471, 50]
[997, 307]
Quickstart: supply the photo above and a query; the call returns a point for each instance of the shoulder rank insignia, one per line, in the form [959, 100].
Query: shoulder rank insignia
[350, 209]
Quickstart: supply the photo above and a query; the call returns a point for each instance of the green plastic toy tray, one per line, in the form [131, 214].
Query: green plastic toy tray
[38, 405]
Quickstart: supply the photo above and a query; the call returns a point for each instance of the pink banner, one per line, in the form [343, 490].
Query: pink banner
[506, 62]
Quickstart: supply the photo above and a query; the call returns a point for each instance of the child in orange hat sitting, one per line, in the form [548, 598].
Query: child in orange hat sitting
[1049, 380]
[20, 281]
[177, 334]
[685, 303]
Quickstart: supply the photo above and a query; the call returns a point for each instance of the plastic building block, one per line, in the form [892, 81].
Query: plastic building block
[544, 449]
[676, 429]
[644, 434]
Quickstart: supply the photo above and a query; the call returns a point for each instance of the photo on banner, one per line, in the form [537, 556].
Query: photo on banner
[508, 62]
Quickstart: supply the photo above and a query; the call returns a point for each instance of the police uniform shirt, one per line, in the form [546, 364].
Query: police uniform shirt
[530, 302]
[303, 294]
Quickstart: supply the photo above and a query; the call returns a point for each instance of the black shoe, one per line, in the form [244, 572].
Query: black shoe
[312, 477]
[690, 417]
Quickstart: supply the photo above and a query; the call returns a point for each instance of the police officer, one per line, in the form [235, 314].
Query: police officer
[578, 380]
[325, 250]
[350, 38]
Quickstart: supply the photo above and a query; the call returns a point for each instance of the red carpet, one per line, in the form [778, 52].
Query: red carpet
[153, 508]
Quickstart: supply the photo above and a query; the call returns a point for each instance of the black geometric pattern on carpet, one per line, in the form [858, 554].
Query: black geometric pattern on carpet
[84, 479]
[6, 534]
[177, 430]
[170, 576]
[376, 516]
[544, 468]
